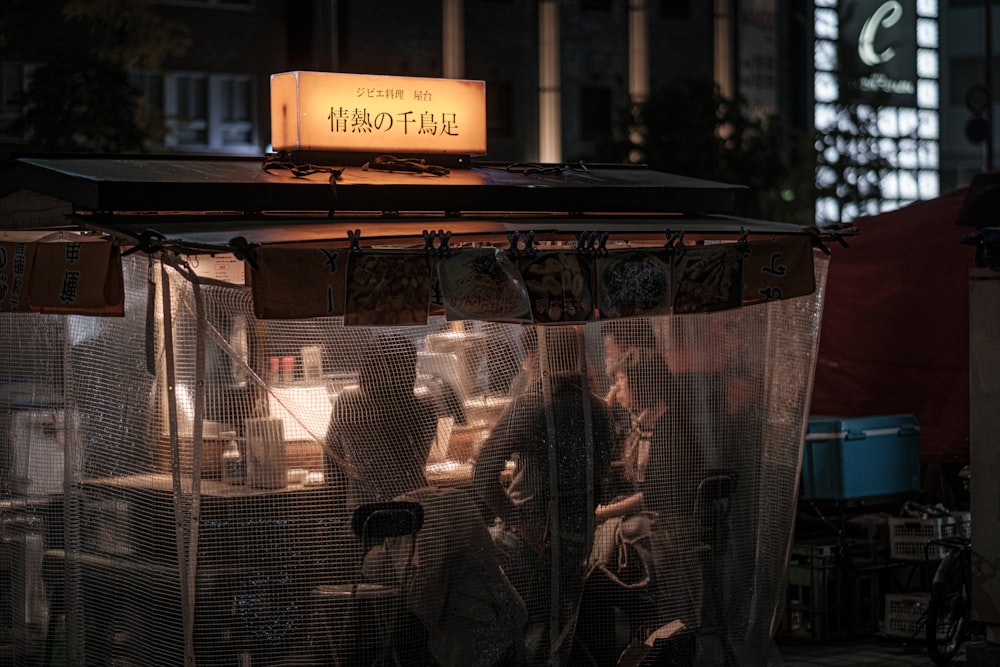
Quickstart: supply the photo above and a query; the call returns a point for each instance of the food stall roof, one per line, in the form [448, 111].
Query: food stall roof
[167, 183]
[210, 200]
[220, 230]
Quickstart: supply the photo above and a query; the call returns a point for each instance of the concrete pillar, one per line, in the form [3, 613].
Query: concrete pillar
[984, 454]
[453, 39]
[549, 83]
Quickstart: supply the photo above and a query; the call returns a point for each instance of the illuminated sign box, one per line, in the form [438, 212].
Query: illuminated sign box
[321, 111]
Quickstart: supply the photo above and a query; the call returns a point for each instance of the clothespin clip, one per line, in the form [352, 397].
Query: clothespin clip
[674, 243]
[244, 251]
[149, 242]
[515, 238]
[744, 243]
[592, 243]
[355, 240]
[442, 247]
[817, 241]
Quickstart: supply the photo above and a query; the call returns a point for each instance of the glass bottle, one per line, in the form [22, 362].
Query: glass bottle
[234, 469]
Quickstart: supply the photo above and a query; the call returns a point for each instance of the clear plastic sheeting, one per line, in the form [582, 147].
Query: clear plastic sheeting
[191, 485]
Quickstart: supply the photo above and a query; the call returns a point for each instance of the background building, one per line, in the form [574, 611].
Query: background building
[561, 75]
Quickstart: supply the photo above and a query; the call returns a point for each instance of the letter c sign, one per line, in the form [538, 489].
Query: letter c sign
[887, 15]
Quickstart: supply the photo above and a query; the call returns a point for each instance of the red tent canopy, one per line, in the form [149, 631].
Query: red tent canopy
[895, 332]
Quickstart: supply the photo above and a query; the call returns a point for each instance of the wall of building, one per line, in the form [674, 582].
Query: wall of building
[963, 53]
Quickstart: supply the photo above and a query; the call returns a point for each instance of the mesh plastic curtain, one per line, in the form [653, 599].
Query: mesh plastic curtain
[184, 484]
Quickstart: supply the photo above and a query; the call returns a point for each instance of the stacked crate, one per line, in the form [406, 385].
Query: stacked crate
[830, 594]
[910, 540]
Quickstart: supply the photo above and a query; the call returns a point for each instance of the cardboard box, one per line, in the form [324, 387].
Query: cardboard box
[845, 458]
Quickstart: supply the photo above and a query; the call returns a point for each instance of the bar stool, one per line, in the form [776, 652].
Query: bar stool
[361, 618]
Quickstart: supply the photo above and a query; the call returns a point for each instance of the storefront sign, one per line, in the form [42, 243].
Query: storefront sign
[387, 289]
[320, 111]
[394, 288]
[778, 269]
[71, 277]
[634, 283]
[15, 267]
[483, 284]
[296, 283]
[878, 45]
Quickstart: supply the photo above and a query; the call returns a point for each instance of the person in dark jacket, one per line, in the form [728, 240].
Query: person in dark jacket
[381, 429]
[558, 436]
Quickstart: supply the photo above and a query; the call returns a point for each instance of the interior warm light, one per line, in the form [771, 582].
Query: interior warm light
[321, 111]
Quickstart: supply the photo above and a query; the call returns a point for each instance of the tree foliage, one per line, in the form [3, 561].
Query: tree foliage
[82, 99]
[689, 127]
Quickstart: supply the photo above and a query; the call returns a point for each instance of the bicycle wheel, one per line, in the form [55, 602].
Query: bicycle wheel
[948, 613]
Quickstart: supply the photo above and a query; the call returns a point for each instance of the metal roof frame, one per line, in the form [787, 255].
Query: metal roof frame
[209, 200]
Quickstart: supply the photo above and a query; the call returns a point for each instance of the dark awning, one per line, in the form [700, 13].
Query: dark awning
[262, 209]
[241, 184]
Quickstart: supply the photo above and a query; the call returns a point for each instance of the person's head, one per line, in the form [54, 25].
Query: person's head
[389, 365]
[643, 377]
[561, 348]
[620, 336]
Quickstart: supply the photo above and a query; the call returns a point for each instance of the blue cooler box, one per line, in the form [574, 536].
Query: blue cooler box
[846, 458]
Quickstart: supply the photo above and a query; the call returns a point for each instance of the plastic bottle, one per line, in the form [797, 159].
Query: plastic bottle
[234, 469]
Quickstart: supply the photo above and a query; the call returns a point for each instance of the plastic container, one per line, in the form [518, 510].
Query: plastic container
[905, 614]
[909, 538]
[845, 458]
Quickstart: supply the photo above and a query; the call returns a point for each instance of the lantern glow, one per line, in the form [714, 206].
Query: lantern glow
[321, 111]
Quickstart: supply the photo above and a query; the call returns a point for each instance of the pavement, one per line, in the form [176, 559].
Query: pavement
[859, 652]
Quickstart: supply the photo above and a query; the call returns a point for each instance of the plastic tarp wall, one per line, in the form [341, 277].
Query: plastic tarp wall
[895, 337]
[194, 475]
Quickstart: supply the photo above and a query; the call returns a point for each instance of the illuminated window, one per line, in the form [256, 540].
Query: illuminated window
[889, 123]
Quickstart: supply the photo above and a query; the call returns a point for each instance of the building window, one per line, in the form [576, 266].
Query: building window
[15, 82]
[207, 111]
[595, 112]
[500, 108]
[235, 96]
[190, 109]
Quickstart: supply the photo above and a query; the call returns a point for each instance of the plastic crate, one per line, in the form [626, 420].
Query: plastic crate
[825, 597]
[825, 553]
[908, 538]
[905, 614]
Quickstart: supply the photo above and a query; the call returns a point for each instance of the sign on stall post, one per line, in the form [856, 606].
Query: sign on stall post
[322, 111]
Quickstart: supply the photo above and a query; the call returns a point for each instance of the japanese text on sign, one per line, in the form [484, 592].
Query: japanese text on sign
[357, 119]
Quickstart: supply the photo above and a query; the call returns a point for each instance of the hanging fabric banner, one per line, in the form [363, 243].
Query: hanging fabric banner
[708, 278]
[15, 269]
[296, 283]
[77, 278]
[779, 268]
[633, 284]
[483, 284]
[387, 288]
[394, 287]
[559, 286]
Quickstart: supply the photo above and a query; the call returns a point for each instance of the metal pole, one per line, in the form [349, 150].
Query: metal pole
[988, 4]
